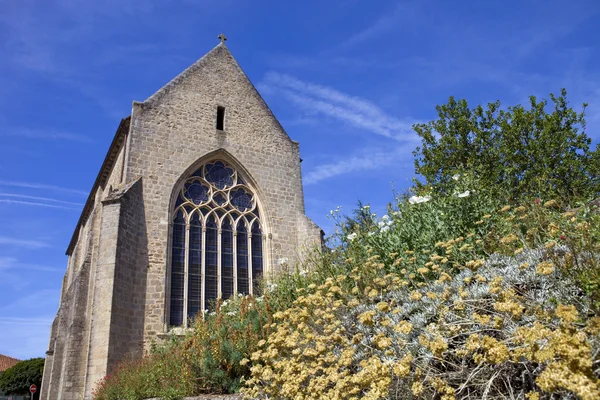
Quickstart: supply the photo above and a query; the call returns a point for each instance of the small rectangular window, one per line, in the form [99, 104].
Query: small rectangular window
[220, 117]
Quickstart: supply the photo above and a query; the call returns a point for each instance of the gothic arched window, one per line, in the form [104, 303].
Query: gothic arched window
[217, 241]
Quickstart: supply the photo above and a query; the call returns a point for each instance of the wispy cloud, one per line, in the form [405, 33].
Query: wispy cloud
[27, 133]
[389, 20]
[353, 110]
[11, 263]
[25, 321]
[22, 196]
[48, 202]
[367, 161]
[31, 244]
[36, 204]
[33, 185]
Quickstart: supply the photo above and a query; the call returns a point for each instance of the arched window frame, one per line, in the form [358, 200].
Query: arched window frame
[251, 218]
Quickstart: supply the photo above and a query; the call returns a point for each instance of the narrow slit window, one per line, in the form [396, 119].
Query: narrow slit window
[220, 117]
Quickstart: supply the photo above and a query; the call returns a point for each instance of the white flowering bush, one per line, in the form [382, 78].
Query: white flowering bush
[412, 227]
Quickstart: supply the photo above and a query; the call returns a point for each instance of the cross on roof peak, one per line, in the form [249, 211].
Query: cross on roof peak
[222, 37]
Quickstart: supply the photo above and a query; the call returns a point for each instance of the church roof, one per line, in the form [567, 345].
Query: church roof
[6, 362]
[103, 175]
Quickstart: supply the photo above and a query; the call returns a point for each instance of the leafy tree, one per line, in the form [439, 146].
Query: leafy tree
[17, 379]
[520, 152]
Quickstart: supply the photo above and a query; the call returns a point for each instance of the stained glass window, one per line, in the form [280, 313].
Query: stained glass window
[177, 269]
[216, 243]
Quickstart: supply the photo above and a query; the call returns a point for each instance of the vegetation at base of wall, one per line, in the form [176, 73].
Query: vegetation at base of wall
[18, 378]
[159, 374]
[470, 286]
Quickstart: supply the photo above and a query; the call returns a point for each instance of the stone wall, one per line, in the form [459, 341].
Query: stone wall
[174, 131]
[130, 286]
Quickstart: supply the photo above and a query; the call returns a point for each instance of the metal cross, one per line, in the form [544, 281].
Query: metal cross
[222, 37]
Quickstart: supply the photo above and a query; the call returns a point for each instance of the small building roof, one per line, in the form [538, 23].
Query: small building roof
[6, 362]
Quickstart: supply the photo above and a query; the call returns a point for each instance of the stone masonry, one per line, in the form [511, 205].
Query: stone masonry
[115, 291]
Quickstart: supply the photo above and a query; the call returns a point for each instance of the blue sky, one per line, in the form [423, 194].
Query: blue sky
[345, 78]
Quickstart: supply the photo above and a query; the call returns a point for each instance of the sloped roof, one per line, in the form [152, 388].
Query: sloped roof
[6, 362]
[103, 175]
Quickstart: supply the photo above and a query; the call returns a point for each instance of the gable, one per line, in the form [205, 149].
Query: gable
[215, 79]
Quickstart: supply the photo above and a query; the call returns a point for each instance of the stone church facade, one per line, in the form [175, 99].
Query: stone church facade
[199, 196]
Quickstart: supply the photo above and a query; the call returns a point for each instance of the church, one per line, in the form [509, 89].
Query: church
[199, 197]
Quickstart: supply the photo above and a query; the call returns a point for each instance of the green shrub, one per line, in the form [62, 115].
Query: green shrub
[163, 373]
[222, 339]
[18, 378]
[523, 152]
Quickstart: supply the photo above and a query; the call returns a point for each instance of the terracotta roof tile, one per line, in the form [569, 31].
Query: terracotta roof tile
[6, 362]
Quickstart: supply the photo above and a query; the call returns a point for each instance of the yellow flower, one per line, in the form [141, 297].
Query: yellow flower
[366, 318]
[567, 313]
[403, 327]
[417, 388]
[416, 296]
[402, 367]
[545, 268]
[532, 396]
[551, 204]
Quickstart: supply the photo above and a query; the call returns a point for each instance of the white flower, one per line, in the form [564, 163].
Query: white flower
[303, 272]
[385, 217]
[419, 199]
[464, 194]
[282, 261]
[351, 236]
[456, 177]
[231, 313]
[385, 229]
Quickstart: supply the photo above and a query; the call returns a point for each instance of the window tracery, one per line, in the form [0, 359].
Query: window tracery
[217, 241]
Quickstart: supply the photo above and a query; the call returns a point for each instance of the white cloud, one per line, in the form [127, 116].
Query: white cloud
[22, 196]
[42, 186]
[402, 13]
[31, 244]
[26, 321]
[364, 162]
[36, 204]
[28, 133]
[11, 263]
[353, 110]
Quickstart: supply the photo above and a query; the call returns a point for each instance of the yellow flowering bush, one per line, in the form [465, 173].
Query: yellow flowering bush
[500, 330]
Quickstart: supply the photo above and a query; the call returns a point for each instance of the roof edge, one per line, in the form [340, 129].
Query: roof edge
[182, 75]
[101, 178]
